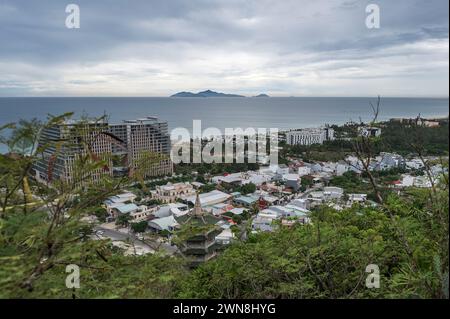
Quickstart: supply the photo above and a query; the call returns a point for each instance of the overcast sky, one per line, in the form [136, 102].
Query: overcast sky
[279, 47]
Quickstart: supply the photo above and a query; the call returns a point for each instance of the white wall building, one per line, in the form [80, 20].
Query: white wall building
[303, 170]
[356, 198]
[309, 136]
[333, 193]
[369, 131]
[415, 163]
[170, 192]
[341, 168]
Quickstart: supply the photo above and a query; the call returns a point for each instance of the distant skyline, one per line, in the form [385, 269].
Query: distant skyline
[280, 48]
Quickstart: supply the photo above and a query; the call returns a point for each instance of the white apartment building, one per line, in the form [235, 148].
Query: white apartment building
[141, 139]
[309, 136]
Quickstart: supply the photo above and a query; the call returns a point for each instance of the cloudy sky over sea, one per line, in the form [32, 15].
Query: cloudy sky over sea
[283, 48]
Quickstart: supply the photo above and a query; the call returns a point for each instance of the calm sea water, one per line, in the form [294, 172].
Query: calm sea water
[283, 113]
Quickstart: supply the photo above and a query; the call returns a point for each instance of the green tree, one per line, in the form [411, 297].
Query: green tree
[123, 220]
[100, 213]
[139, 227]
[247, 188]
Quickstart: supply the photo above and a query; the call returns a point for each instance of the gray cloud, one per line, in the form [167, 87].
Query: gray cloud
[287, 47]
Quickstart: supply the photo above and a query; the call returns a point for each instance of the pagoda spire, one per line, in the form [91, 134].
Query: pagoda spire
[197, 206]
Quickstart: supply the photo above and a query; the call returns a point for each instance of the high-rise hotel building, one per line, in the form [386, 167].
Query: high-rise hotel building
[309, 136]
[140, 138]
[135, 140]
[64, 144]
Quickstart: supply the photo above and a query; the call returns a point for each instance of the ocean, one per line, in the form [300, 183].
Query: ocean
[282, 113]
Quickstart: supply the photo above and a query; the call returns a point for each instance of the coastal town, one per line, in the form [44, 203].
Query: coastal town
[148, 216]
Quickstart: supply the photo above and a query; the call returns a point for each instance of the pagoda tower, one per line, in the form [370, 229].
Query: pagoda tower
[201, 244]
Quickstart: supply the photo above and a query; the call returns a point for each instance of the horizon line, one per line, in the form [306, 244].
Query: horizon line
[199, 97]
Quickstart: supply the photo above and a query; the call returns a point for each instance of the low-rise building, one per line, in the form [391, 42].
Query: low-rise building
[356, 198]
[137, 213]
[299, 202]
[414, 163]
[171, 192]
[171, 209]
[118, 200]
[386, 161]
[242, 178]
[225, 237]
[168, 223]
[407, 180]
[209, 199]
[341, 168]
[219, 209]
[246, 201]
[292, 181]
[315, 198]
[369, 131]
[333, 193]
[303, 170]
[261, 223]
[197, 185]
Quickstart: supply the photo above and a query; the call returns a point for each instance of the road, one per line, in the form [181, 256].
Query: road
[309, 190]
[117, 235]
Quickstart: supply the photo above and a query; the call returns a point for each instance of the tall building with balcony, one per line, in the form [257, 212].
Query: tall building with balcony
[145, 144]
[309, 136]
[140, 138]
[64, 144]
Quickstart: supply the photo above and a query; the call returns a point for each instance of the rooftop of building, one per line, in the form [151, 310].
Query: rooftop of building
[163, 223]
[246, 199]
[127, 208]
[209, 198]
[141, 121]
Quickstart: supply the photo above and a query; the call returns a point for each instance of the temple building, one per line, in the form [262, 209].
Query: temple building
[200, 245]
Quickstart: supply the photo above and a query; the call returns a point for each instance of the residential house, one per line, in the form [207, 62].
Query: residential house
[356, 198]
[118, 200]
[246, 201]
[137, 213]
[333, 193]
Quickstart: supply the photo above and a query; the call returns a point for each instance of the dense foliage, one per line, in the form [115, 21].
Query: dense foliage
[328, 258]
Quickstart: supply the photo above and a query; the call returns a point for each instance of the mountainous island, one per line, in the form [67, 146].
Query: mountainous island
[209, 93]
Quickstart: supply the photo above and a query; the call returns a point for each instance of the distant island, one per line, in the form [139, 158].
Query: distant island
[207, 93]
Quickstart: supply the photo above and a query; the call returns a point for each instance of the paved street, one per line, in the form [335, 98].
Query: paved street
[116, 235]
